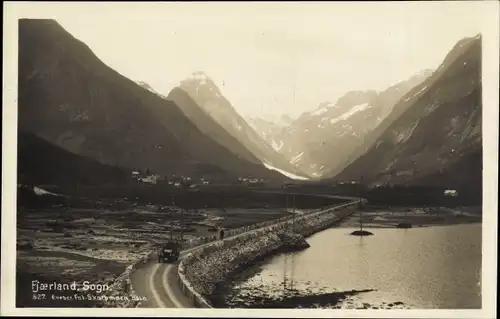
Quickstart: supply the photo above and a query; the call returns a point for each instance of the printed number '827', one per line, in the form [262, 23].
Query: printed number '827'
[38, 296]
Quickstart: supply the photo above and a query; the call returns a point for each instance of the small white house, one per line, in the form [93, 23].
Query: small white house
[451, 192]
[152, 179]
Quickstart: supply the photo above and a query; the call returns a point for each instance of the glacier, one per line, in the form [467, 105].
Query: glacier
[287, 174]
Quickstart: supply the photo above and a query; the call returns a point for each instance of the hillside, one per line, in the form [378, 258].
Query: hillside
[69, 97]
[42, 163]
[208, 125]
[269, 127]
[436, 140]
[322, 140]
[208, 96]
[149, 88]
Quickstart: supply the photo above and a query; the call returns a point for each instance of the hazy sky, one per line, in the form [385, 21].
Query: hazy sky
[258, 50]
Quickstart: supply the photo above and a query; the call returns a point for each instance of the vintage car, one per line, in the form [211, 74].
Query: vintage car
[169, 252]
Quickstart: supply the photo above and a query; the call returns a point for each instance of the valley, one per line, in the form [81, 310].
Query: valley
[89, 238]
[112, 167]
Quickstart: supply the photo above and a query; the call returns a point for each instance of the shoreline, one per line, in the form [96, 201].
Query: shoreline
[206, 268]
[219, 295]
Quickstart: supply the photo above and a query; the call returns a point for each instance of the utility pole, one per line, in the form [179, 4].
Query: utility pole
[182, 216]
[293, 209]
[360, 220]
[182, 225]
[284, 275]
[171, 226]
[286, 205]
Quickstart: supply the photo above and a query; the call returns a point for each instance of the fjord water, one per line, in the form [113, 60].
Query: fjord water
[427, 267]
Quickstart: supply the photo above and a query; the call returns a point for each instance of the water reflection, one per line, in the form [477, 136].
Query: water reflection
[361, 242]
[428, 267]
[288, 274]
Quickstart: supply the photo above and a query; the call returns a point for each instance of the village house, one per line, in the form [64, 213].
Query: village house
[451, 192]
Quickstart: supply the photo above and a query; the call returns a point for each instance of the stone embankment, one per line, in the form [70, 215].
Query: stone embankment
[121, 293]
[202, 270]
[293, 241]
[243, 245]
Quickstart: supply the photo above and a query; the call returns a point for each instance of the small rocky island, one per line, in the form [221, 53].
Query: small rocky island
[361, 232]
[293, 241]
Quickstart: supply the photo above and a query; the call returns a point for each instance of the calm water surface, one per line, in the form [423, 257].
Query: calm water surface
[428, 267]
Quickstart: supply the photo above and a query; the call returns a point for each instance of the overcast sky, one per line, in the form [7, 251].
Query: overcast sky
[255, 52]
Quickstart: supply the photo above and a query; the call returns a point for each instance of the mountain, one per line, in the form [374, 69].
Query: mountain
[435, 136]
[208, 96]
[383, 111]
[261, 123]
[149, 88]
[40, 163]
[208, 125]
[320, 141]
[268, 129]
[68, 97]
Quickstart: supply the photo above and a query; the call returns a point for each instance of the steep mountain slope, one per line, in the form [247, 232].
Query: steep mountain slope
[207, 95]
[437, 138]
[208, 125]
[149, 88]
[69, 97]
[387, 108]
[270, 128]
[322, 140]
[40, 162]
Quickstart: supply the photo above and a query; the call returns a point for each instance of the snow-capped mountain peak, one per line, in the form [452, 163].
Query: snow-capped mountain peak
[206, 94]
[334, 128]
[201, 77]
[200, 84]
[320, 110]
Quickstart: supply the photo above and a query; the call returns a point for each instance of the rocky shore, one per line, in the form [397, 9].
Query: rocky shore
[207, 267]
[295, 299]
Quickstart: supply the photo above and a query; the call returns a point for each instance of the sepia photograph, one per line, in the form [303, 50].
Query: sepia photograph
[334, 159]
